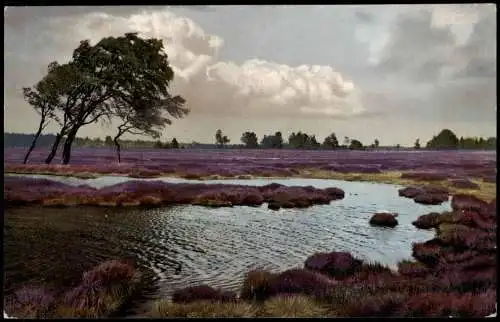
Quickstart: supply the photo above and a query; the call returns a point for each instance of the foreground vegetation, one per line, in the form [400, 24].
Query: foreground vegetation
[453, 274]
[102, 292]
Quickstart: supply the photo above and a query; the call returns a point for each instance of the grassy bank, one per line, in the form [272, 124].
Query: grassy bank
[485, 190]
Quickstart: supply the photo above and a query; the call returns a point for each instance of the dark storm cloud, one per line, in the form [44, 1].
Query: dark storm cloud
[416, 48]
[364, 16]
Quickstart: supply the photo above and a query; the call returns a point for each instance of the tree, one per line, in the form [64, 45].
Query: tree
[116, 72]
[108, 141]
[346, 140]
[376, 143]
[446, 139]
[225, 140]
[43, 99]
[218, 137]
[297, 140]
[250, 140]
[277, 140]
[355, 145]
[331, 141]
[417, 144]
[158, 144]
[174, 144]
[302, 140]
[398, 146]
[272, 141]
[461, 142]
[313, 142]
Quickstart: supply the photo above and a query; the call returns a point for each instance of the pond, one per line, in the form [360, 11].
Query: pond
[214, 246]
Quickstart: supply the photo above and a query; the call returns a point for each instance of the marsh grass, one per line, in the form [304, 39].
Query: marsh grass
[202, 309]
[292, 306]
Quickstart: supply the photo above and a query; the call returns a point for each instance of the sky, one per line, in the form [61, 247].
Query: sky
[391, 72]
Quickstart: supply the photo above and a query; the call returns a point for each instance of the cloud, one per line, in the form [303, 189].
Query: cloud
[212, 86]
[424, 46]
[449, 53]
[364, 17]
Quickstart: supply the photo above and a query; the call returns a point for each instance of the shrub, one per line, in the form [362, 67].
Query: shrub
[104, 289]
[410, 192]
[384, 219]
[201, 293]
[31, 302]
[426, 253]
[301, 281]
[257, 285]
[463, 184]
[424, 176]
[468, 202]
[334, 264]
[430, 199]
[412, 269]
[387, 304]
[428, 221]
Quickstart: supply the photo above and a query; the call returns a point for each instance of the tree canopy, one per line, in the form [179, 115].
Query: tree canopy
[331, 142]
[123, 78]
[446, 139]
[221, 140]
[301, 140]
[355, 144]
[250, 140]
[272, 141]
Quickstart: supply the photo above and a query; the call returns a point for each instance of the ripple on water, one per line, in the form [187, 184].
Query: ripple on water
[217, 246]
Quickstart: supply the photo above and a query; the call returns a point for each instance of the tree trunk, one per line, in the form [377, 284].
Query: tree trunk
[54, 148]
[117, 149]
[66, 156]
[33, 143]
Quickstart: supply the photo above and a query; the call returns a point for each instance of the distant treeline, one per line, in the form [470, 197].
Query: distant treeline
[446, 139]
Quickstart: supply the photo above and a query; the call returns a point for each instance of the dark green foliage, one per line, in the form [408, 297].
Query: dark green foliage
[221, 140]
[417, 144]
[355, 145]
[250, 140]
[106, 81]
[331, 142]
[446, 139]
[272, 141]
[302, 140]
[174, 144]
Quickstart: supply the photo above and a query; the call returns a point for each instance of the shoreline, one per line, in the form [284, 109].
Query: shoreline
[486, 190]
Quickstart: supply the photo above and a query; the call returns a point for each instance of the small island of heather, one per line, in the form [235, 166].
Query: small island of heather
[250, 161]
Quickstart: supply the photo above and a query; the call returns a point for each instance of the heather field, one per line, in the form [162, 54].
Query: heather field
[454, 169]
[251, 233]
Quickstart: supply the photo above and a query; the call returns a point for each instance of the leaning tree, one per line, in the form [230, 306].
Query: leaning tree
[43, 99]
[115, 73]
[140, 116]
